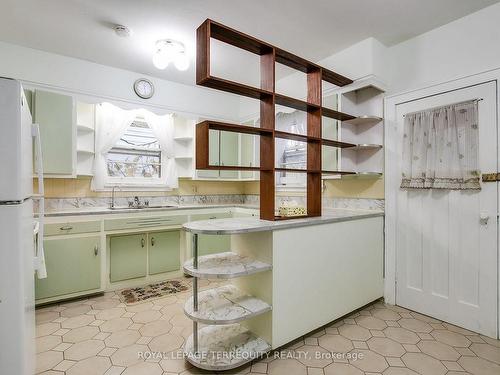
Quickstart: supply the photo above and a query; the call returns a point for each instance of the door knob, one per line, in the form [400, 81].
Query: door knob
[484, 218]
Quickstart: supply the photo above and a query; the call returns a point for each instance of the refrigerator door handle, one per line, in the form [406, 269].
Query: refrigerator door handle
[40, 268]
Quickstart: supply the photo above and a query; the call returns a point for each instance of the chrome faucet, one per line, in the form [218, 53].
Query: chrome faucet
[137, 201]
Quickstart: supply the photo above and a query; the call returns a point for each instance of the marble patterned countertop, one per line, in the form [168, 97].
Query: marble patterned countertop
[252, 224]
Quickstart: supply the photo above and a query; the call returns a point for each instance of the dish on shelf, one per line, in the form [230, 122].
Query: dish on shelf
[225, 305]
[225, 265]
[224, 347]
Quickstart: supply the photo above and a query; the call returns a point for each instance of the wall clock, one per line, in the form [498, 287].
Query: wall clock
[144, 88]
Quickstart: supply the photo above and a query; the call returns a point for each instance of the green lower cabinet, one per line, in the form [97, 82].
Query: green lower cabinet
[128, 257]
[164, 252]
[73, 265]
[212, 244]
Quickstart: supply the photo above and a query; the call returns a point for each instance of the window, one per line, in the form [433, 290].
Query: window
[136, 156]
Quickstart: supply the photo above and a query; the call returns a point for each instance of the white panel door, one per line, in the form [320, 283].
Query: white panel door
[446, 254]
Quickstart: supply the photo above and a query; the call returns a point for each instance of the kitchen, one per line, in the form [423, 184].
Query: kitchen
[201, 200]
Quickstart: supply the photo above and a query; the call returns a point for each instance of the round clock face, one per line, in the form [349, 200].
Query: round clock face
[144, 88]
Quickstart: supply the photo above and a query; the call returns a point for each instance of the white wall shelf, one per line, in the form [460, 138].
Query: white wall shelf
[364, 120]
[85, 138]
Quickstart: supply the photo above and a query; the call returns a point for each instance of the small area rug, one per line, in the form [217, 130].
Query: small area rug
[132, 296]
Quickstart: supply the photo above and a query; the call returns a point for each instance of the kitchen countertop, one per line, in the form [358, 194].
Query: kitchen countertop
[108, 211]
[252, 224]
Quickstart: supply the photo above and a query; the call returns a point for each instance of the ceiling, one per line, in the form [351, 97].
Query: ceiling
[313, 29]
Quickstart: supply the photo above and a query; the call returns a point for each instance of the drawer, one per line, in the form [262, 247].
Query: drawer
[72, 228]
[144, 222]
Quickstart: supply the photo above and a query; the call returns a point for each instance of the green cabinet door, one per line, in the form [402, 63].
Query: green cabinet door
[213, 156]
[128, 257]
[247, 154]
[55, 114]
[229, 153]
[164, 252]
[73, 265]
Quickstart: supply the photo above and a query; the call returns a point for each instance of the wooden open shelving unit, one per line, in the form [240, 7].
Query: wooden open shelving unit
[269, 56]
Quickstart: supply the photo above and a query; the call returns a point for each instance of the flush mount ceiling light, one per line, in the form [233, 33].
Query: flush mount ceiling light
[169, 50]
[122, 31]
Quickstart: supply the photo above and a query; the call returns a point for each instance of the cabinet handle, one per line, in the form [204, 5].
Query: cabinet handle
[143, 243]
[67, 227]
[212, 217]
[152, 241]
[96, 250]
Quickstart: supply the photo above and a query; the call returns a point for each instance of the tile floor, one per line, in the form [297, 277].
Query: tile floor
[100, 335]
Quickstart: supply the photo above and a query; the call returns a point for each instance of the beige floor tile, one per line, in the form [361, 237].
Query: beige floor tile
[385, 314]
[313, 356]
[47, 360]
[476, 339]
[479, 366]
[107, 304]
[425, 336]
[360, 344]
[77, 321]
[45, 343]
[354, 332]
[311, 341]
[107, 352]
[145, 306]
[166, 343]
[84, 349]
[129, 355]
[400, 371]
[401, 335]
[109, 314]
[415, 325]
[128, 314]
[119, 339]
[136, 326]
[46, 329]
[424, 318]
[174, 365]
[146, 316]
[424, 364]
[386, 347]
[394, 362]
[62, 347]
[64, 365]
[90, 366]
[465, 352]
[261, 368]
[371, 323]
[451, 338]
[410, 348]
[335, 343]
[80, 334]
[452, 366]
[61, 332]
[181, 320]
[438, 350]
[286, 367]
[101, 336]
[486, 351]
[97, 323]
[377, 333]
[459, 330]
[491, 341]
[349, 321]
[332, 331]
[59, 320]
[370, 361]
[73, 311]
[156, 328]
[117, 324]
[392, 323]
[341, 369]
[168, 300]
[45, 316]
[145, 340]
[143, 368]
[115, 370]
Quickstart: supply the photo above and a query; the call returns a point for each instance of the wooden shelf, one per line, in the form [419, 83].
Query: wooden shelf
[224, 126]
[332, 143]
[234, 87]
[231, 168]
[295, 137]
[331, 113]
[290, 102]
[363, 120]
[269, 56]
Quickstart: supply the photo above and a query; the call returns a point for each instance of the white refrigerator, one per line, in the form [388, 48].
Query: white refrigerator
[21, 233]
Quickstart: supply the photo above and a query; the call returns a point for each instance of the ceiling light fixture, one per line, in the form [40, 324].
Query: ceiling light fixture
[122, 31]
[169, 50]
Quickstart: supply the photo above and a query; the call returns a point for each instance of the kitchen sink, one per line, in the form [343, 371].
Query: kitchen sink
[141, 207]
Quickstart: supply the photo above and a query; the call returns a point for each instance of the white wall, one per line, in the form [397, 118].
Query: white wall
[61, 72]
[463, 47]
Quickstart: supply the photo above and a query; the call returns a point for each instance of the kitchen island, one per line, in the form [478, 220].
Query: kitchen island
[286, 279]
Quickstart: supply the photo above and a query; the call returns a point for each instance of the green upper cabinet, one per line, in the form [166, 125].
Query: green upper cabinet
[128, 257]
[247, 152]
[56, 115]
[73, 265]
[164, 252]
[229, 153]
[213, 157]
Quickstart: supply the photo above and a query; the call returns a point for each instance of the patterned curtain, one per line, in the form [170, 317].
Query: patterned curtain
[441, 147]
